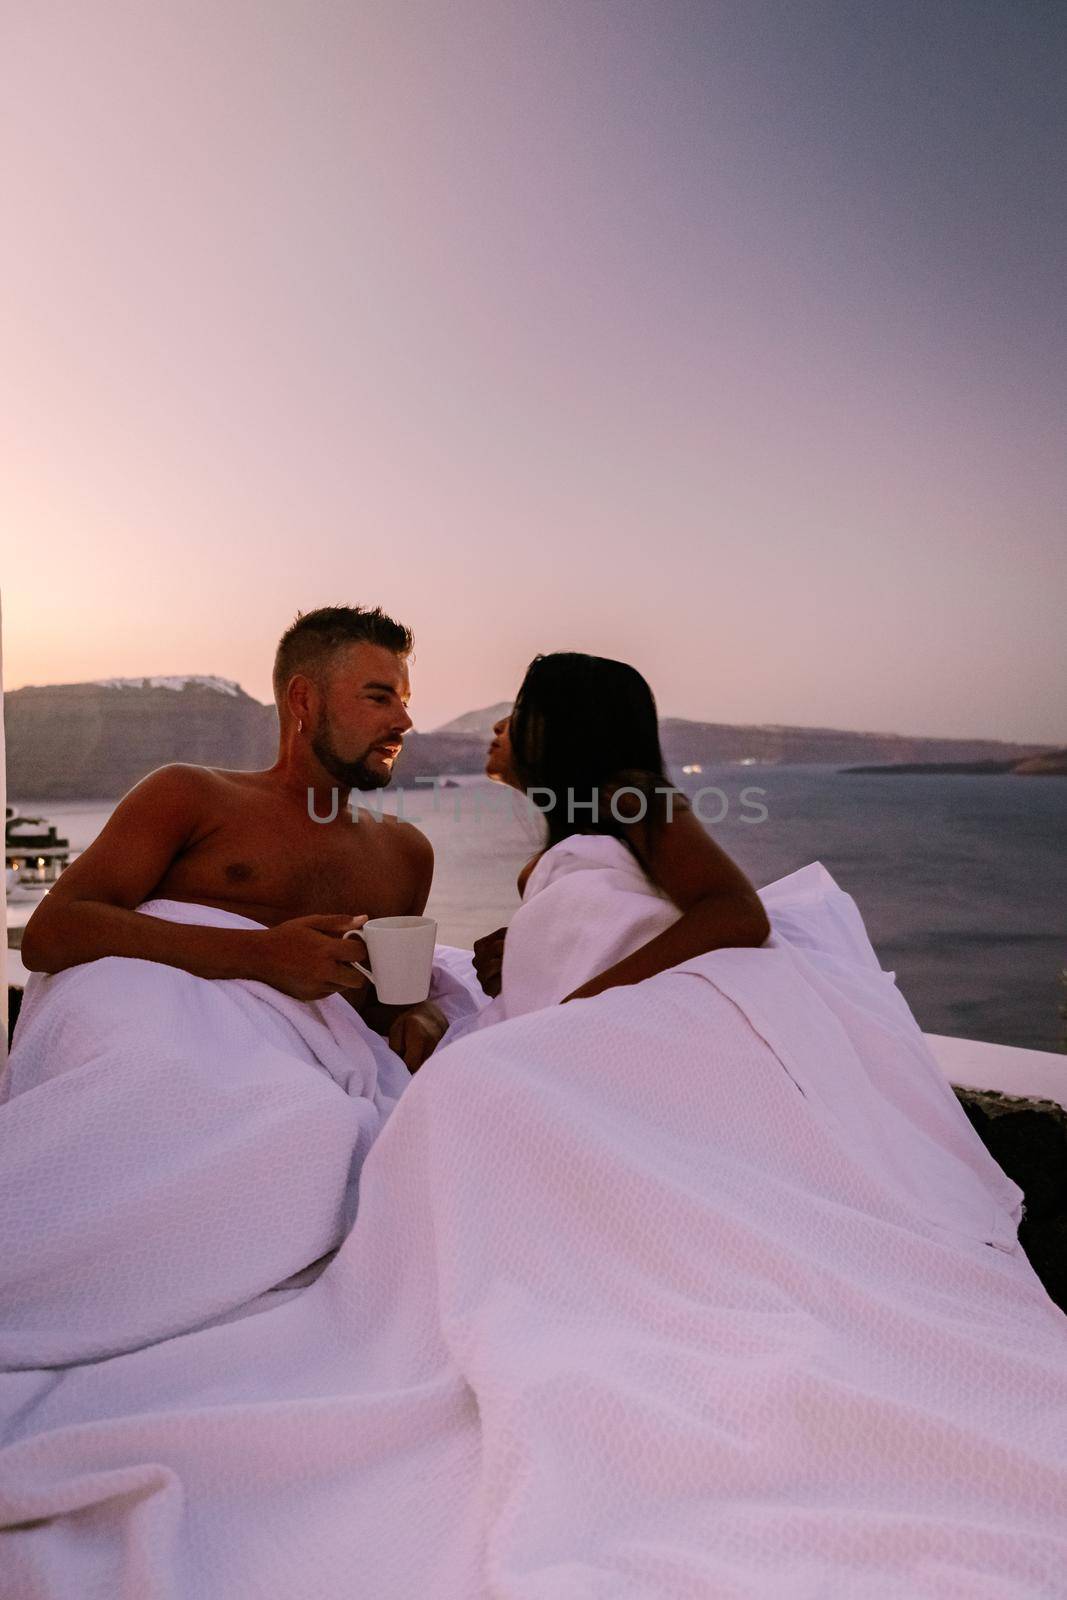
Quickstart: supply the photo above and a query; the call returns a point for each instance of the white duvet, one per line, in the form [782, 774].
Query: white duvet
[702, 1288]
[173, 1148]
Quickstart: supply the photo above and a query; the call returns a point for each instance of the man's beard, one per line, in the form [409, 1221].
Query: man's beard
[352, 774]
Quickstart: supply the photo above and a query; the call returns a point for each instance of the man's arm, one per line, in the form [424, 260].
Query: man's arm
[89, 912]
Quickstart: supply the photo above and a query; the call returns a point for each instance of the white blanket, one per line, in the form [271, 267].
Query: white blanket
[637, 1304]
[587, 904]
[174, 1148]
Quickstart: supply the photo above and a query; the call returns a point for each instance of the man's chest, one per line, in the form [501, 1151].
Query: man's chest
[304, 871]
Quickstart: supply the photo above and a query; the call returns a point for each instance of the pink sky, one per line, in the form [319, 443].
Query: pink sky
[718, 339]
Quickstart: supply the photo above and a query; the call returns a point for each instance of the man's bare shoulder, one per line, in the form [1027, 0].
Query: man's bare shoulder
[408, 840]
[180, 776]
[181, 779]
[181, 789]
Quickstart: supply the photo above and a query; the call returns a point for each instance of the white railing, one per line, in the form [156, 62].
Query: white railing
[973, 1064]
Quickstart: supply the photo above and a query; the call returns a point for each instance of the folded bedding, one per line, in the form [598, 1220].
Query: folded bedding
[701, 1288]
[172, 1147]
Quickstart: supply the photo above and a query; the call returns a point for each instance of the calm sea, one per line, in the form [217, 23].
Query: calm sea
[962, 881]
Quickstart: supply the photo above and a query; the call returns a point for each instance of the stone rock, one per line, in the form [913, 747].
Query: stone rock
[1028, 1140]
[14, 1001]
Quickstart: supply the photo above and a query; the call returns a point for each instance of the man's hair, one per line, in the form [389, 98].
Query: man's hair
[313, 637]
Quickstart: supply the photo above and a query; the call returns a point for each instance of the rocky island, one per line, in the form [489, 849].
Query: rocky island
[93, 741]
[1044, 764]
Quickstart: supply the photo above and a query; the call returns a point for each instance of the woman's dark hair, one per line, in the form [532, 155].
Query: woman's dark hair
[584, 726]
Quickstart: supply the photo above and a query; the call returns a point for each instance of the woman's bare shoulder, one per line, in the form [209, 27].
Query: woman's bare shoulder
[524, 875]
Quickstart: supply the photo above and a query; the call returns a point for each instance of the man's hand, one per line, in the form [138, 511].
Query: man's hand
[309, 958]
[489, 961]
[417, 1032]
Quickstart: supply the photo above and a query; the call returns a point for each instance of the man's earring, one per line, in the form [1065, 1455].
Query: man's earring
[299, 725]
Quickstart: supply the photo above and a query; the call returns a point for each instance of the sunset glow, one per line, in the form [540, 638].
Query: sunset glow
[725, 339]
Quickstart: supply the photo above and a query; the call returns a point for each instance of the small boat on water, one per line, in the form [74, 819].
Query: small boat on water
[34, 856]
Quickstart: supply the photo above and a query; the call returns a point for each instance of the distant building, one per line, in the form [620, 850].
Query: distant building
[34, 852]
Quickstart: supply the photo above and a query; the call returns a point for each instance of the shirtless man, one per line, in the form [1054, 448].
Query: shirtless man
[248, 842]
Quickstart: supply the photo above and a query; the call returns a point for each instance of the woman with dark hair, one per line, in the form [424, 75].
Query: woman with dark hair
[582, 741]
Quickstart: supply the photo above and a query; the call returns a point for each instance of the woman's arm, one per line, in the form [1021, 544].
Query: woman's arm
[719, 907]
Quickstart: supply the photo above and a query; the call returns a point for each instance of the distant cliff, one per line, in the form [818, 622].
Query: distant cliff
[477, 724]
[706, 743]
[685, 742]
[94, 740]
[1048, 764]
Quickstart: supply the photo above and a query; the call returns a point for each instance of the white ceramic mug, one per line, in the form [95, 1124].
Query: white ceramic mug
[400, 950]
